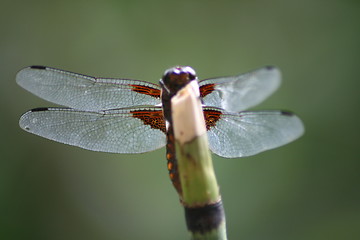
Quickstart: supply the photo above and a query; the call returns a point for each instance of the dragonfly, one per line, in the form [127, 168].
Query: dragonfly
[119, 115]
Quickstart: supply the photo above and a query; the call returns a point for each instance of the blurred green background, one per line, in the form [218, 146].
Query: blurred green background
[308, 189]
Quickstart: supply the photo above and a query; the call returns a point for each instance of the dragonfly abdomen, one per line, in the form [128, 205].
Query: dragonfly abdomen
[171, 159]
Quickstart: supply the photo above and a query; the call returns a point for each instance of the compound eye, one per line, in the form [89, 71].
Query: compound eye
[191, 76]
[191, 73]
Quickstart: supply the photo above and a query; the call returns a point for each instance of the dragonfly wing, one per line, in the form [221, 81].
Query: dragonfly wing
[117, 131]
[237, 93]
[84, 92]
[248, 133]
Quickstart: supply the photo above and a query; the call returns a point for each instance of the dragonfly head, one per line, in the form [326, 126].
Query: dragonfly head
[176, 78]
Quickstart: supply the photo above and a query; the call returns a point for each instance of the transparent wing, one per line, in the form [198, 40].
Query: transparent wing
[85, 92]
[248, 133]
[115, 131]
[237, 93]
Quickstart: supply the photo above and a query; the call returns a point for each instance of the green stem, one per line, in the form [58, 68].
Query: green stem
[201, 198]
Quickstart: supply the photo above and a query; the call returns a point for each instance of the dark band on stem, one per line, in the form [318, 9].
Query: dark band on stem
[206, 218]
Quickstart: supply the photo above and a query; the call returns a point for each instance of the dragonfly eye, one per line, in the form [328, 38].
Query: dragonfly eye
[181, 70]
[192, 76]
[176, 78]
[190, 71]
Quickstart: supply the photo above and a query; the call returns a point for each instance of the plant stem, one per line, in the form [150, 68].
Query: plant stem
[201, 198]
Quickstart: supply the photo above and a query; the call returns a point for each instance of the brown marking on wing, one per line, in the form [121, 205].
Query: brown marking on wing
[155, 119]
[146, 90]
[206, 89]
[211, 117]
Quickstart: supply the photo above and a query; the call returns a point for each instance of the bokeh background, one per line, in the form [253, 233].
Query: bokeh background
[308, 189]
